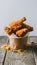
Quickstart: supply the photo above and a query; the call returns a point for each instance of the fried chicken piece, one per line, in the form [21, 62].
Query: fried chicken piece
[22, 32]
[27, 26]
[17, 22]
[16, 25]
[16, 28]
[8, 30]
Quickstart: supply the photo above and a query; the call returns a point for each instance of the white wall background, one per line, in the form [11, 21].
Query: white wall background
[15, 9]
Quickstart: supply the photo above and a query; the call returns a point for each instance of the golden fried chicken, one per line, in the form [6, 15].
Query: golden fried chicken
[8, 30]
[18, 27]
[17, 22]
[22, 32]
[27, 26]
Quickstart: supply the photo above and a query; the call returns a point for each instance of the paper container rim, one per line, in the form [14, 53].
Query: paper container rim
[18, 37]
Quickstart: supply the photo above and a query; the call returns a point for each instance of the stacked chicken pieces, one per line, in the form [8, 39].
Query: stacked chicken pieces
[18, 27]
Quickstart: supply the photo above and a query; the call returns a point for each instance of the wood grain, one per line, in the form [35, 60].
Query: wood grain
[34, 39]
[25, 58]
[28, 57]
[3, 40]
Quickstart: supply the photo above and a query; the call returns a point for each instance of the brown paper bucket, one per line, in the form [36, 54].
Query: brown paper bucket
[18, 42]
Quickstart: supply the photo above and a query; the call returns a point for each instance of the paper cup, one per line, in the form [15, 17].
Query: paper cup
[18, 42]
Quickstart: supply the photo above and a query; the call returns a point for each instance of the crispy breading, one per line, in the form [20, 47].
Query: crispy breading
[27, 26]
[17, 22]
[8, 30]
[16, 28]
[22, 32]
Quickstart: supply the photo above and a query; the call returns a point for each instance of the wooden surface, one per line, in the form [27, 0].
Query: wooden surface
[3, 40]
[28, 57]
[34, 39]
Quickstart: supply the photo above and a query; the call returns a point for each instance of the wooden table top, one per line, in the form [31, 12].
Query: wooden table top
[28, 57]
